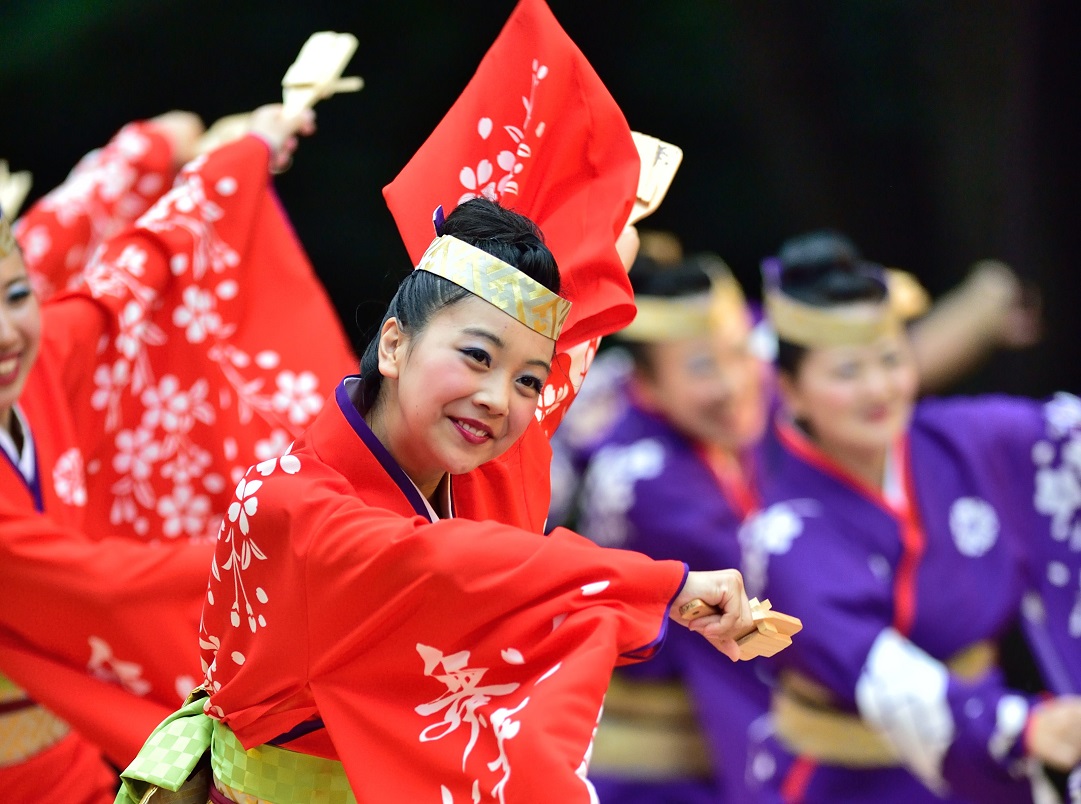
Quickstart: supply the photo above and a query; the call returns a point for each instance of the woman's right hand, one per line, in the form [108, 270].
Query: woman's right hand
[280, 132]
[1053, 735]
[722, 589]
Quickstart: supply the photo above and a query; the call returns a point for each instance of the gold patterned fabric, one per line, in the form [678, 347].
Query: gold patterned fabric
[27, 732]
[498, 283]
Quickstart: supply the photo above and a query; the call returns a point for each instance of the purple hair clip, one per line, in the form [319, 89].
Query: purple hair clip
[438, 219]
[771, 273]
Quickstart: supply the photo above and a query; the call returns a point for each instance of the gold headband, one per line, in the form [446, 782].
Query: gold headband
[13, 190]
[7, 240]
[498, 283]
[661, 319]
[847, 324]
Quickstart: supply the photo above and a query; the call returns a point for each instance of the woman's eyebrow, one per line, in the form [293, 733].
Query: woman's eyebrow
[491, 337]
[488, 336]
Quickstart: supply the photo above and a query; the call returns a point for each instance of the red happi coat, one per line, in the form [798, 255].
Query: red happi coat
[199, 370]
[433, 659]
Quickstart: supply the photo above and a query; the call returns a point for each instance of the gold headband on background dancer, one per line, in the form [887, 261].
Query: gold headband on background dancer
[13, 191]
[843, 324]
[7, 239]
[670, 318]
[497, 282]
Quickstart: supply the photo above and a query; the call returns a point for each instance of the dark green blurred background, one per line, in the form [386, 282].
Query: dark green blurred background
[933, 133]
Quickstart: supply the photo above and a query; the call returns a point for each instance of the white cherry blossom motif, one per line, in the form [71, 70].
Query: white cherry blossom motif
[184, 513]
[1057, 461]
[173, 410]
[278, 444]
[297, 396]
[198, 315]
[609, 487]
[974, 526]
[288, 463]
[510, 154]
[136, 452]
[110, 380]
[242, 549]
[771, 532]
[102, 175]
[69, 478]
[477, 182]
[188, 207]
[188, 464]
[464, 704]
[245, 505]
[104, 665]
[136, 332]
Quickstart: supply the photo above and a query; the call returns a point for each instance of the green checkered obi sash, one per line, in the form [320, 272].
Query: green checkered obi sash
[175, 747]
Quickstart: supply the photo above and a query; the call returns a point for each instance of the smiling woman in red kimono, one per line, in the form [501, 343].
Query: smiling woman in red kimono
[383, 604]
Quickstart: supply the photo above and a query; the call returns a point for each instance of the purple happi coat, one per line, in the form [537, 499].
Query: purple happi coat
[892, 584]
[648, 488]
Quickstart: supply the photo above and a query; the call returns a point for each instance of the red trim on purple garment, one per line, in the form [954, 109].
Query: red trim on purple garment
[909, 526]
[913, 544]
[798, 779]
[734, 477]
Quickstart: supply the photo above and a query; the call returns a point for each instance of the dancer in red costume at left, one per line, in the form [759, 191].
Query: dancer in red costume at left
[105, 580]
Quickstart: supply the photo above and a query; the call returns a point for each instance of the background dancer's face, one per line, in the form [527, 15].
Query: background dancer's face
[20, 332]
[461, 391]
[854, 398]
[710, 388]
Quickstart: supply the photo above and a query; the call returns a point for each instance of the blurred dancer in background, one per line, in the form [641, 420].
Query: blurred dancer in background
[899, 532]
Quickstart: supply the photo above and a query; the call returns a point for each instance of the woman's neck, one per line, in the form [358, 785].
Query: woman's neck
[868, 466]
[10, 422]
[382, 429]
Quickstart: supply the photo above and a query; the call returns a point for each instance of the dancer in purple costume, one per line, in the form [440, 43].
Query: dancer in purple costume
[902, 535]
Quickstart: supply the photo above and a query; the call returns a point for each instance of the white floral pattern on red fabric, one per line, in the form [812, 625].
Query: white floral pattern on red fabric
[69, 479]
[163, 463]
[481, 180]
[104, 665]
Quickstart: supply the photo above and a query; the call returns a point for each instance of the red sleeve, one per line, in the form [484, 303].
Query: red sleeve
[120, 287]
[108, 189]
[124, 610]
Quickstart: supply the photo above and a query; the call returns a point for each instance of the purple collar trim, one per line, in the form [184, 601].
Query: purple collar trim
[375, 446]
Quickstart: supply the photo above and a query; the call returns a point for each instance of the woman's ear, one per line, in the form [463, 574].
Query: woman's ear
[391, 348]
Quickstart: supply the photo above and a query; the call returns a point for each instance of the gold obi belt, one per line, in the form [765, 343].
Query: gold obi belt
[649, 731]
[808, 724]
[26, 729]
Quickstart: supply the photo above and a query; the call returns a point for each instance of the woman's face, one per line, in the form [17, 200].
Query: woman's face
[20, 332]
[711, 388]
[854, 399]
[462, 391]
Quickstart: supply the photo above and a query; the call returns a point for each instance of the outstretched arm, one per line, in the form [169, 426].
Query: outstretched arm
[987, 311]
